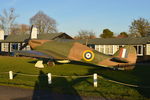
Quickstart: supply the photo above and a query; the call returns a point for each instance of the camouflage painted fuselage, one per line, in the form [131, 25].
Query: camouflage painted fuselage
[79, 52]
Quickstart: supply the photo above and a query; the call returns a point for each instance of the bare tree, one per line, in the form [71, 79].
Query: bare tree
[44, 23]
[20, 29]
[85, 34]
[7, 19]
[140, 27]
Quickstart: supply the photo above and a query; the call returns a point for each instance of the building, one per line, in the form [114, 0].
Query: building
[110, 45]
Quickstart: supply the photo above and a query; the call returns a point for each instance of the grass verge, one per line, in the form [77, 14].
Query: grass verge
[77, 86]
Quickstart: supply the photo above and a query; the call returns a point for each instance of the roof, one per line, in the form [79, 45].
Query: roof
[116, 41]
[16, 38]
[49, 36]
[24, 37]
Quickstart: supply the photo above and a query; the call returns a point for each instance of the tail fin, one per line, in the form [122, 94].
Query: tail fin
[128, 53]
[123, 53]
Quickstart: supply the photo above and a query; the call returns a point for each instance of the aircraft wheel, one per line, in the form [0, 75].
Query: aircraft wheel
[50, 63]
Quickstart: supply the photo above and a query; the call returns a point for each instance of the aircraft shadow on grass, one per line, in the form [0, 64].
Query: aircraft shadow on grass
[139, 72]
[143, 74]
[60, 89]
[45, 91]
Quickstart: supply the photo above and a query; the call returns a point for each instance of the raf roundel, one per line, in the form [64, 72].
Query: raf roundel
[88, 55]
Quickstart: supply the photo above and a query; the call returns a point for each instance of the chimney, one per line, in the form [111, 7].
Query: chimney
[34, 32]
[1, 34]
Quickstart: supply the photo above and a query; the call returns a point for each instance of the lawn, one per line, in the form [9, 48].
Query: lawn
[75, 85]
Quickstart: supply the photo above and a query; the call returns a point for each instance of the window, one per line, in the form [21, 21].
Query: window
[111, 49]
[97, 47]
[102, 48]
[139, 50]
[148, 49]
[27, 47]
[91, 46]
[4, 47]
[106, 49]
[14, 46]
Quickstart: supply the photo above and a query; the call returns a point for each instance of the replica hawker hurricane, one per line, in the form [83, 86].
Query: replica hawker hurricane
[65, 51]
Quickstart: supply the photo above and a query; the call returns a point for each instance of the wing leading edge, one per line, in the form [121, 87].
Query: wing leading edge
[31, 53]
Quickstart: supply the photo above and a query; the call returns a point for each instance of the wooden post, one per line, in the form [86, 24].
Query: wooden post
[95, 79]
[49, 78]
[10, 75]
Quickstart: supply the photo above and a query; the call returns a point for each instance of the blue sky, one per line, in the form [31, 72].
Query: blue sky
[75, 15]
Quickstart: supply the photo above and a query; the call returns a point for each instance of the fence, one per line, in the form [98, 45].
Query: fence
[95, 77]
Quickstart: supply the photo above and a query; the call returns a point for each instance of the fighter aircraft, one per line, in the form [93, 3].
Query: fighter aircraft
[75, 51]
[65, 51]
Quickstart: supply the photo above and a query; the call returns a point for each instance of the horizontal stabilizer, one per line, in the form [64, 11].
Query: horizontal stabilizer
[119, 60]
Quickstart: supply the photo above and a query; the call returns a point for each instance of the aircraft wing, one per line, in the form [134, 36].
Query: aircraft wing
[31, 54]
[39, 54]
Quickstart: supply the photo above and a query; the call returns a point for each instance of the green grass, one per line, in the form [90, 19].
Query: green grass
[79, 86]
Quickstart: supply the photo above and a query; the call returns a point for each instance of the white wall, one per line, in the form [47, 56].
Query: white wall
[115, 48]
[107, 49]
[147, 49]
